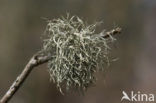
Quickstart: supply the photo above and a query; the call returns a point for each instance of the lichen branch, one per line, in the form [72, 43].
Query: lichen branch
[39, 59]
[79, 52]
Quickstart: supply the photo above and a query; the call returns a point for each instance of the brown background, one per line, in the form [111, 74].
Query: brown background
[21, 27]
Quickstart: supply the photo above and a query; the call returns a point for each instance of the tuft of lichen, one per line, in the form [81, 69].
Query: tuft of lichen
[77, 51]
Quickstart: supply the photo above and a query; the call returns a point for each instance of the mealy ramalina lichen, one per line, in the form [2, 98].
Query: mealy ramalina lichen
[77, 51]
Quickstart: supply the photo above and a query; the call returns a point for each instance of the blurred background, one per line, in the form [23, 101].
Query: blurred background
[21, 27]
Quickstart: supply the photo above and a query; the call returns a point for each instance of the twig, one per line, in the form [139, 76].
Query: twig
[35, 61]
[112, 32]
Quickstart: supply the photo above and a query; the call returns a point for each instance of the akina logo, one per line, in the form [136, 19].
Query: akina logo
[137, 96]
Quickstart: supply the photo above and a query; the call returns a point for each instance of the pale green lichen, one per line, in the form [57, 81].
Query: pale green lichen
[77, 52]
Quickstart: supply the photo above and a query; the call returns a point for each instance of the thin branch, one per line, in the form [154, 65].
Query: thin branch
[112, 32]
[35, 61]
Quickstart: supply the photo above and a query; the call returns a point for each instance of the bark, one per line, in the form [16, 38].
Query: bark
[35, 61]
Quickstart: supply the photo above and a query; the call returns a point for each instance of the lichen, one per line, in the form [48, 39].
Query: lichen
[77, 51]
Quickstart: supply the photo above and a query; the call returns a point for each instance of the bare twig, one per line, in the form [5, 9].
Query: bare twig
[112, 32]
[35, 61]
